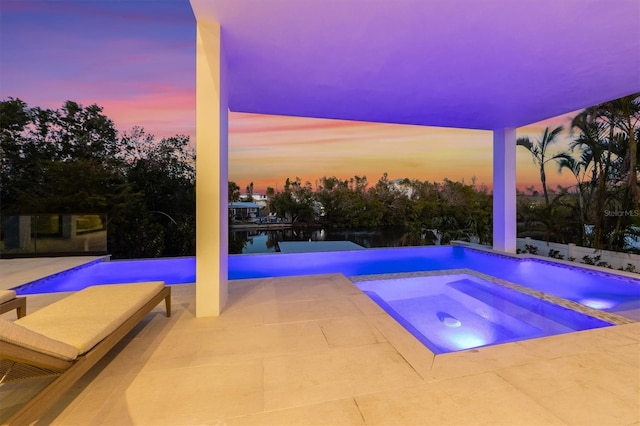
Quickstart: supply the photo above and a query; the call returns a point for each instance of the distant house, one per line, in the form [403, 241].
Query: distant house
[259, 199]
[242, 210]
[402, 186]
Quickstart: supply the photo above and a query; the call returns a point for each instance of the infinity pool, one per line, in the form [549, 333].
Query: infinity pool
[598, 290]
[454, 312]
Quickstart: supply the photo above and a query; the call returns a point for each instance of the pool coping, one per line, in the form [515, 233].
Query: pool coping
[563, 263]
[437, 366]
[17, 288]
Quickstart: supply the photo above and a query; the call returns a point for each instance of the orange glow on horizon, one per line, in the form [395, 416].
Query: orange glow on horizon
[268, 149]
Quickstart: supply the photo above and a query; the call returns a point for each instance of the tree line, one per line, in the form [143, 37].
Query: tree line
[602, 209]
[455, 209]
[73, 160]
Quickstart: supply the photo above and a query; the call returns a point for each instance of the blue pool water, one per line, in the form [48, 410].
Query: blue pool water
[595, 289]
[449, 313]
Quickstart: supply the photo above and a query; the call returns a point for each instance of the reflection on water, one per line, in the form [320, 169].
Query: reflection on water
[264, 241]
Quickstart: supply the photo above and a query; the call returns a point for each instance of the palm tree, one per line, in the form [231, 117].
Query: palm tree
[539, 152]
[610, 132]
[580, 171]
[626, 118]
[234, 192]
[596, 148]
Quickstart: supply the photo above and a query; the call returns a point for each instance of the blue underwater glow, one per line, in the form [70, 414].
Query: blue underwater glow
[596, 289]
[449, 313]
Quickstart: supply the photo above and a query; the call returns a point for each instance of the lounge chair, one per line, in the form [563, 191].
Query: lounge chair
[9, 302]
[68, 337]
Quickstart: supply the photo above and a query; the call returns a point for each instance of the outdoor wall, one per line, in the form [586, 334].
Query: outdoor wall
[617, 260]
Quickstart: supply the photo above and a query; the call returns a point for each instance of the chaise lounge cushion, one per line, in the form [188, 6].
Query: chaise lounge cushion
[12, 333]
[6, 295]
[84, 318]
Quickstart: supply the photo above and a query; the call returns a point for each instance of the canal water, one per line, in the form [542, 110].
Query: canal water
[264, 241]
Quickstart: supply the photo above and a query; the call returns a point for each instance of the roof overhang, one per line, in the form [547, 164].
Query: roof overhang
[456, 63]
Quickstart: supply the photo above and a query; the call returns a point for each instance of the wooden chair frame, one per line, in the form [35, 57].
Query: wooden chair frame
[67, 372]
[17, 303]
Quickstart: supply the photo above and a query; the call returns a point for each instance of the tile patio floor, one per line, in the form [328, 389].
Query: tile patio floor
[314, 350]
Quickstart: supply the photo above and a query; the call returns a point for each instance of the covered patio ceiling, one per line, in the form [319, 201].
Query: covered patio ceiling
[486, 64]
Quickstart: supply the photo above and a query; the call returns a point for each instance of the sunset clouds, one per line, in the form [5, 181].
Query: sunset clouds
[136, 59]
[282, 147]
[268, 149]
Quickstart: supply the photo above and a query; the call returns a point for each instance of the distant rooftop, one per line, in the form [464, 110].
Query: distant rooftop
[243, 205]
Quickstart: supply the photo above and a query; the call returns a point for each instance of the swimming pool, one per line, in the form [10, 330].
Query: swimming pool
[453, 312]
[595, 289]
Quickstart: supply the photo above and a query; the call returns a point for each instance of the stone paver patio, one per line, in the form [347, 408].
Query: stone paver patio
[315, 350]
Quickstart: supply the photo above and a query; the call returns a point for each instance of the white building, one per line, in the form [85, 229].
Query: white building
[260, 199]
[402, 186]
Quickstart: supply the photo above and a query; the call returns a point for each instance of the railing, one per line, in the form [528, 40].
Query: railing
[53, 235]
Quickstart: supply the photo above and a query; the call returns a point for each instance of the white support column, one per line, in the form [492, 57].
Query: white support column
[211, 172]
[504, 190]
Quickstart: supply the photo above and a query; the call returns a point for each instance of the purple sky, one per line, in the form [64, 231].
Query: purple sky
[136, 58]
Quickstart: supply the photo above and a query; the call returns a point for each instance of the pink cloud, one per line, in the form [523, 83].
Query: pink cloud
[163, 113]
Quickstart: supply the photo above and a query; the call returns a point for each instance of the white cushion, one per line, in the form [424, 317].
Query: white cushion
[83, 319]
[6, 295]
[13, 333]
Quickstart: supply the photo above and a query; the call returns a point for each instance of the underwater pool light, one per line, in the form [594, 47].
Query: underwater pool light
[448, 320]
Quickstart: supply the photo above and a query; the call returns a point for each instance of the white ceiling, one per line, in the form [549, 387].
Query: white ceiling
[479, 64]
